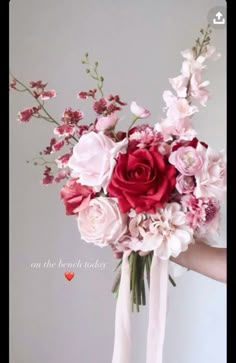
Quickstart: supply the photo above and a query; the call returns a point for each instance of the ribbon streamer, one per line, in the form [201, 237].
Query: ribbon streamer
[157, 312]
[122, 342]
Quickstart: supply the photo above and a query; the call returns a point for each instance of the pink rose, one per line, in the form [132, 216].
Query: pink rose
[106, 123]
[93, 159]
[101, 222]
[139, 112]
[187, 160]
[76, 196]
[185, 184]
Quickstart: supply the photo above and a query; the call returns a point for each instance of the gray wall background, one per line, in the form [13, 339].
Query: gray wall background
[138, 45]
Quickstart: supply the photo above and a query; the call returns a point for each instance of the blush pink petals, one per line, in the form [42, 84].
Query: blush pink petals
[101, 222]
[211, 178]
[93, 159]
[187, 160]
[138, 111]
[167, 233]
[106, 123]
[179, 84]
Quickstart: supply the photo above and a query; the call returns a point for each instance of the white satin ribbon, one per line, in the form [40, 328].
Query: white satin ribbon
[122, 342]
[157, 310]
[157, 313]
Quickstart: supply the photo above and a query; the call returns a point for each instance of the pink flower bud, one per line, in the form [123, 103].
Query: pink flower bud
[138, 111]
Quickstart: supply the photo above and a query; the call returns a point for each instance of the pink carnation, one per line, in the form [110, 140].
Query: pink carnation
[76, 196]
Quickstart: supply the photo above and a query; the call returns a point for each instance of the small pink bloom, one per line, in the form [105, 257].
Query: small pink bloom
[100, 106]
[48, 149]
[46, 95]
[117, 99]
[71, 117]
[179, 84]
[48, 177]
[93, 159]
[101, 222]
[64, 130]
[61, 175]
[187, 160]
[181, 128]
[198, 90]
[13, 84]
[62, 161]
[25, 115]
[185, 184]
[106, 123]
[38, 84]
[76, 196]
[58, 145]
[177, 108]
[138, 111]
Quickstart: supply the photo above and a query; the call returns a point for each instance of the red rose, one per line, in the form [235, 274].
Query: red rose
[76, 196]
[142, 180]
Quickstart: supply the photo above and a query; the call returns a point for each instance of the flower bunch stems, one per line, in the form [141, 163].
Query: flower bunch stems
[139, 274]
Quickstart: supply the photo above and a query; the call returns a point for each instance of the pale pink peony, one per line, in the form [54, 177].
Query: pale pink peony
[138, 111]
[211, 178]
[106, 123]
[167, 233]
[93, 159]
[187, 160]
[185, 184]
[101, 222]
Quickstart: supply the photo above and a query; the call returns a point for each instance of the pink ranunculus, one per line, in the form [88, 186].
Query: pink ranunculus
[93, 159]
[179, 84]
[187, 160]
[76, 196]
[185, 184]
[101, 222]
[106, 122]
[138, 111]
[46, 95]
[211, 178]
[25, 115]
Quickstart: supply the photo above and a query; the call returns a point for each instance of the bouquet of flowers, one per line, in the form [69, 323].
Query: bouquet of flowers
[150, 188]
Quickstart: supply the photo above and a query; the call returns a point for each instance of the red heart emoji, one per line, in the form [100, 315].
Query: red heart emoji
[69, 275]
